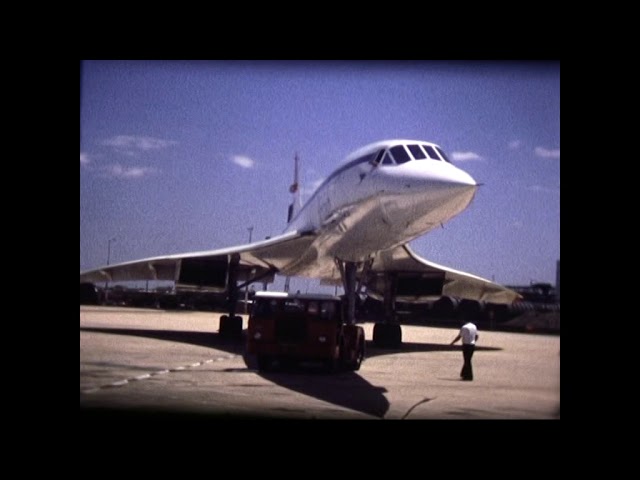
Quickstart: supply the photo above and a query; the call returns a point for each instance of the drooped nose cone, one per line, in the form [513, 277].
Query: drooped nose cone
[463, 188]
[461, 178]
[446, 193]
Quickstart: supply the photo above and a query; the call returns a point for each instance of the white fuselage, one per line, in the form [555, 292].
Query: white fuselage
[366, 206]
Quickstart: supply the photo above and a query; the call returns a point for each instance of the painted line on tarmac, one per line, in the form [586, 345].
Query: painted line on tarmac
[145, 376]
[118, 383]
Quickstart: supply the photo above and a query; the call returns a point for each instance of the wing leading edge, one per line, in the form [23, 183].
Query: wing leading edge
[210, 269]
[419, 279]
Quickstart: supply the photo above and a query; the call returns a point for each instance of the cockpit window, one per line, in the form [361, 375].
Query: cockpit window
[378, 157]
[416, 151]
[387, 160]
[431, 152]
[400, 154]
[446, 159]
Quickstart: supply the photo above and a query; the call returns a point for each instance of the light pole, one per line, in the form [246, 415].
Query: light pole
[106, 285]
[109, 249]
[246, 288]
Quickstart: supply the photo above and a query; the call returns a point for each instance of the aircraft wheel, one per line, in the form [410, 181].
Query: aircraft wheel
[386, 335]
[395, 336]
[222, 330]
[380, 335]
[231, 327]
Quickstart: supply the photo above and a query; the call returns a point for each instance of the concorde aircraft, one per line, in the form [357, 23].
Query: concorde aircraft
[354, 231]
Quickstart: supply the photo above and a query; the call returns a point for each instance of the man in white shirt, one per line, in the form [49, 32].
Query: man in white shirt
[469, 335]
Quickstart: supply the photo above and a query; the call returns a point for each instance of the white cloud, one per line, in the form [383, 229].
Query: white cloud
[84, 159]
[540, 188]
[242, 161]
[465, 156]
[546, 153]
[515, 144]
[118, 171]
[130, 144]
[315, 184]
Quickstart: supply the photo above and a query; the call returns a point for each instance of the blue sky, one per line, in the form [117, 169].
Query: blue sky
[185, 156]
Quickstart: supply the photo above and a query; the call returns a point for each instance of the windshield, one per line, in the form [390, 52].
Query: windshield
[446, 159]
[406, 153]
[324, 310]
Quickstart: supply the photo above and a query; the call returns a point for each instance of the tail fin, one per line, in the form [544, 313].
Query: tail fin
[294, 208]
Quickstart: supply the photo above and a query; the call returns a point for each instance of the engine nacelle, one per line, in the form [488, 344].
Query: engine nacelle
[211, 274]
[445, 307]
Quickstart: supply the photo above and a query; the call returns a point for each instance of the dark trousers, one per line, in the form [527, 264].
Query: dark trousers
[467, 370]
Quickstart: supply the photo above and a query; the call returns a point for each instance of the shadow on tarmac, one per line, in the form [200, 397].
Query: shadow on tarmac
[343, 389]
[200, 339]
[373, 351]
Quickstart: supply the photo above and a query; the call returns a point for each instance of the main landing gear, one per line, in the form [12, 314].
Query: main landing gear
[231, 325]
[387, 334]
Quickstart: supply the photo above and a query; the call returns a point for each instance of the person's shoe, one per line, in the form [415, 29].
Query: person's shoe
[467, 379]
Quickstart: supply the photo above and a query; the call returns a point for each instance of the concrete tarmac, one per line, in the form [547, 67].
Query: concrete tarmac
[139, 360]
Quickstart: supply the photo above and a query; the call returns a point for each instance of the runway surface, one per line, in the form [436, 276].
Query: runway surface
[137, 360]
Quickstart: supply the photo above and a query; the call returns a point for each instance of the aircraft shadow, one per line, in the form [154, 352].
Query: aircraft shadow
[373, 351]
[344, 389]
[200, 339]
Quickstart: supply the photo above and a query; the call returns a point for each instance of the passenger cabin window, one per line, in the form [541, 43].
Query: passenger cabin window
[416, 151]
[446, 159]
[400, 154]
[431, 153]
